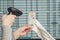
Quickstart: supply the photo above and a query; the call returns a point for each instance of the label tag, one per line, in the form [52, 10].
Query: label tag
[31, 18]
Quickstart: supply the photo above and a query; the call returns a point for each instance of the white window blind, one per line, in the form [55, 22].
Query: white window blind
[48, 14]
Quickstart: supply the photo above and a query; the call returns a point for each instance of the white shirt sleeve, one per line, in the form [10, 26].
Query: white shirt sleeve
[7, 33]
[42, 32]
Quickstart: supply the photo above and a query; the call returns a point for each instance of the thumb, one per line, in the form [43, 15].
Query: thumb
[4, 16]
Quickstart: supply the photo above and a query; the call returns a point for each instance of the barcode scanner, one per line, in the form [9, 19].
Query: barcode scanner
[14, 11]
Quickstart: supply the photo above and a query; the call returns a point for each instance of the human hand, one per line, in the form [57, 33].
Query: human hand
[8, 20]
[22, 31]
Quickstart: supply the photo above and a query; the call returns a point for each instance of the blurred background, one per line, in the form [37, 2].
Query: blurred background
[47, 13]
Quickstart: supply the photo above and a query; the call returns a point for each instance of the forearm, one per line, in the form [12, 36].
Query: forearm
[7, 33]
[7, 22]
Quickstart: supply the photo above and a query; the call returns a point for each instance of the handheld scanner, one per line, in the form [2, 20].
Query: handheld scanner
[14, 11]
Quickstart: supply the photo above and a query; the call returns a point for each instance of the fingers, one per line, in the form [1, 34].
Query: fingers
[27, 28]
[26, 31]
[9, 16]
[22, 31]
[12, 15]
[8, 19]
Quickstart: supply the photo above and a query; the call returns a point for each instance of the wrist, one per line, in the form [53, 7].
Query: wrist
[16, 35]
[6, 25]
